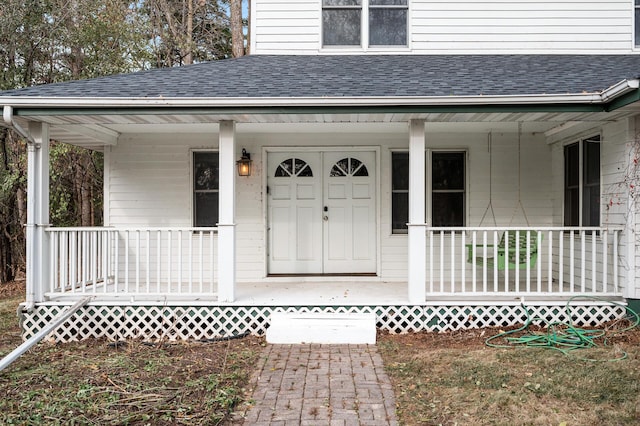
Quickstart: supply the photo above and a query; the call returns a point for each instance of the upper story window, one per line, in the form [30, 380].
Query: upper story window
[343, 23]
[637, 23]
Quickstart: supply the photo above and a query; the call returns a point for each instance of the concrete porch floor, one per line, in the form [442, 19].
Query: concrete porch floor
[310, 292]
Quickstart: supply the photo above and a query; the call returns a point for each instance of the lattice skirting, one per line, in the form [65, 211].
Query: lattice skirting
[210, 322]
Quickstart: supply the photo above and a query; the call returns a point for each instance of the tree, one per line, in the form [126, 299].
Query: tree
[46, 41]
[188, 31]
[237, 28]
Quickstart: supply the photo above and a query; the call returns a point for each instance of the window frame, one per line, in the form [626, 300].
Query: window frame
[582, 184]
[405, 230]
[194, 191]
[365, 16]
[464, 191]
[429, 186]
[636, 27]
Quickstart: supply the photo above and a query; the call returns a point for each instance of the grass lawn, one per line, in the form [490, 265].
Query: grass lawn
[453, 378]
[95, 382]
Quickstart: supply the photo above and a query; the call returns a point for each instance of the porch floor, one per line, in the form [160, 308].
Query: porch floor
[298, 292]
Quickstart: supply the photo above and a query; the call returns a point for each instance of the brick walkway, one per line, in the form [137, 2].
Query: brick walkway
[321, 385]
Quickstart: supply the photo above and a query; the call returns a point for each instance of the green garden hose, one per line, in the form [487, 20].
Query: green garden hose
[561, 336]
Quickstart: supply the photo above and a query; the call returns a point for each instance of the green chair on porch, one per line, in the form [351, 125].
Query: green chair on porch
[507, 251]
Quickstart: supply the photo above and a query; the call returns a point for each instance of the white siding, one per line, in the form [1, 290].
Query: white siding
[471, 26]
[616, 175]
[148, 182]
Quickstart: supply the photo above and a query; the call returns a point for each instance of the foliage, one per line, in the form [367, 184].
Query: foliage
[47, 41]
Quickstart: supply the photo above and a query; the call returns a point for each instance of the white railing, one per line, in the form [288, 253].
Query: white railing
[544, 261]
[133, 261]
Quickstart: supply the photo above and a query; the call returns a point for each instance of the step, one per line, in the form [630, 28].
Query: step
[326, 328]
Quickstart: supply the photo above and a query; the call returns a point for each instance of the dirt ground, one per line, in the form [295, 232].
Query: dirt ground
[438, 379]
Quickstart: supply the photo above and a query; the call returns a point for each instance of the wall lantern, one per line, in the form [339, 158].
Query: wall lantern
[244, 164]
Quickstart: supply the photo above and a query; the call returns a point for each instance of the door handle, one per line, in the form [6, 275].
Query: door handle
[325, 218]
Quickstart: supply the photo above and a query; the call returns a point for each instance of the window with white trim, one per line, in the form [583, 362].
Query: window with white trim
[447, 193]
[206, 185]
[582, 183]
[344, 23]
[448, 188]
[637, 23]
[399, 192]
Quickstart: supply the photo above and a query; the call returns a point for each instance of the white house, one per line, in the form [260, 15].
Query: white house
[443, 165]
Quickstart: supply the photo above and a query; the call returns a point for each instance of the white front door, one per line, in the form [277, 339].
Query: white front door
[322, 212]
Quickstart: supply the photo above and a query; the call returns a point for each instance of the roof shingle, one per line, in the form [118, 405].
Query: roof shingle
[299, 76]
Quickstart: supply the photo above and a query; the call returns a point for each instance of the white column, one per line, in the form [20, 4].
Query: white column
[37, 212]
[227, 213]
[417, 236]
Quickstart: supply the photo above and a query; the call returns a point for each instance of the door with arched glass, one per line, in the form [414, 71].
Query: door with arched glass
[321, 213]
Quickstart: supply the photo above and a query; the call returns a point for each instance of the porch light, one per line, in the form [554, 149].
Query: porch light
[244, 164]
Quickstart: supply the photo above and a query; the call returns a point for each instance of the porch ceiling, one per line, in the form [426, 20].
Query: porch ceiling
[95, 131]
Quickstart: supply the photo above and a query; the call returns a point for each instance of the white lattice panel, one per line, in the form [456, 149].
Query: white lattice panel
[211, 322]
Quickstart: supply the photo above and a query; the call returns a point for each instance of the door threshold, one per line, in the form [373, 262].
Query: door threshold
[353, 274]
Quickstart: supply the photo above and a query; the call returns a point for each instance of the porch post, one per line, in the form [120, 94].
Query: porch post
[37, 212]
[417, 236]
[227, 213]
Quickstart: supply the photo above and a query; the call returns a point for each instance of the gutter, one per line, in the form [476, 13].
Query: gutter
[7, 115]
[603, 97]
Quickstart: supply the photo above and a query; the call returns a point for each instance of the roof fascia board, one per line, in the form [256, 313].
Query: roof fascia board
[427, 109]
[406, 101]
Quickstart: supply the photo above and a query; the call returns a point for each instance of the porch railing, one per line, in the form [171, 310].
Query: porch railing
[551, 261]
[133, 261]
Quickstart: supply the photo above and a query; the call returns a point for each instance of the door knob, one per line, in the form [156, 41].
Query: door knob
[325, 218]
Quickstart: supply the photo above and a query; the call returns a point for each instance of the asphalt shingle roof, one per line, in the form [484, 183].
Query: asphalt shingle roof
[359, 76]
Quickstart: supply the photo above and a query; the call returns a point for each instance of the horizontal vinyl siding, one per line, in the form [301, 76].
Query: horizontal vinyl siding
[472, 26]
[148, 182]
[285, 25]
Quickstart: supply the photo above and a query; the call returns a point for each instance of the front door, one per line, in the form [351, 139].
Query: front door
[321, 212]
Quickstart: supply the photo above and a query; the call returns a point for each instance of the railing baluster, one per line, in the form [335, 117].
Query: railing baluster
[211, 263]
[453, 262]
[158, 259]
[540, 255]
[442, 261]
[137, 261]
[474, 247]
[516, 237]
[116, 270]
[528, 258]
[550, 261]
[201, 257]
[506, 259]
[169, 259]
[190, 262]
[180, 263]
[430, 261]
[484, 264]
[561, 262]
[94, 260]
[615, 262]
[53, 261]
[583, 261]
[496, 277]
[126, 262]
[148, 255]
[605, 252]
[572, 261]
[594, 286]
[463, 266]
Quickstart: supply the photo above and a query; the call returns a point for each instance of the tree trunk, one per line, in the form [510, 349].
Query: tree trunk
[237, 35]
